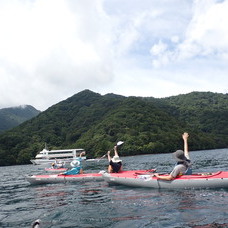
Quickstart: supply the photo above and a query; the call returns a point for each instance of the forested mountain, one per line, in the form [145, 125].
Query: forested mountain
[13, 116]
[147, 125]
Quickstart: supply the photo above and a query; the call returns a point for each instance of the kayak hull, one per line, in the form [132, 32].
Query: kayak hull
[53, 170]
[61, 178]
[215, 180]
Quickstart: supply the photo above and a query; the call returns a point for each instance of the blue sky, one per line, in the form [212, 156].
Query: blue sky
[53, 49]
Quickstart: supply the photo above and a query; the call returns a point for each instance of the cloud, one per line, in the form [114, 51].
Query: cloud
[48, 50]
[52, 49]
[205, 35]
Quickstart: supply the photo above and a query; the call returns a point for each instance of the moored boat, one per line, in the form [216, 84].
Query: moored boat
[49, 156]
[202, 180]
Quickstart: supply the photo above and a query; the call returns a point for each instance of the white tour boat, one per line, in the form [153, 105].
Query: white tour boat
[50, 156]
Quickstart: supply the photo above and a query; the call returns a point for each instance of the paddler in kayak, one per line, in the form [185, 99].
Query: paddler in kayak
[115, 164]
[76, 166]
[183, 165]
[57, 164]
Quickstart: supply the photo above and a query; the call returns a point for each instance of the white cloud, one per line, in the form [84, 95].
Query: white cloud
[158, 49]
[52, 49]
[48, 50]
[205, 36]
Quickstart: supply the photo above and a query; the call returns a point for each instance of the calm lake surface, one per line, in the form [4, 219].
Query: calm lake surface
[96, 204]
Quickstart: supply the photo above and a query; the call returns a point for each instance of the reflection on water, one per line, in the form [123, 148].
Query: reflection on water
[91, 195]
[212, 225]
[50, 197]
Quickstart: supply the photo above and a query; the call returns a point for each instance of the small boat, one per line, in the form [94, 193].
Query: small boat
[61, 178]
[202, 180]
[55, 170]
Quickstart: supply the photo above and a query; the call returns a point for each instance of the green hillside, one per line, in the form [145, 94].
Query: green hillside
[14, 116]
[147, 125]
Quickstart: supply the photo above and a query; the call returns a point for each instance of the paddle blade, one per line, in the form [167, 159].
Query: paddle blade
[119, 143]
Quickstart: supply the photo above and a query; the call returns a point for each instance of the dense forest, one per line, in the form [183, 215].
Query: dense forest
[14, 116]
[147, 125]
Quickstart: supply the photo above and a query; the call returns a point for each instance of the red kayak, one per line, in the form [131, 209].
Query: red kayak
[61, 178]
[56, 170]
[202, 180]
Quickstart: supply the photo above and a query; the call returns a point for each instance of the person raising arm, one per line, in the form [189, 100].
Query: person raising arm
[76, 166]
[183, 162]
[115, 164]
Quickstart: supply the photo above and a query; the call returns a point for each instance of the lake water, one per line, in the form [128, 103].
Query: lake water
[96, 204]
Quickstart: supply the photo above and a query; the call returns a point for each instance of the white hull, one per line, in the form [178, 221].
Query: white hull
[217, 180]
[46, 157]
[58, 178]
[50, 161]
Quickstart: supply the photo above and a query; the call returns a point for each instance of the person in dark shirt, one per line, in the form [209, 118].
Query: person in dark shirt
[115, 164]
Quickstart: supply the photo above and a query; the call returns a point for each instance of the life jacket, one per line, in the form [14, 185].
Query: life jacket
[187, 164]
[116, 166]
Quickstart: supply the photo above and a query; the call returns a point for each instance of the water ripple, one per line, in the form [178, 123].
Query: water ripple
[97, 204]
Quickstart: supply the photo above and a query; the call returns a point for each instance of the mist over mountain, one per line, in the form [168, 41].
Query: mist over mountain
[14, 116]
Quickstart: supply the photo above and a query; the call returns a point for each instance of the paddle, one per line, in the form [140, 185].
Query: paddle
[117, 144]
[146, 172]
